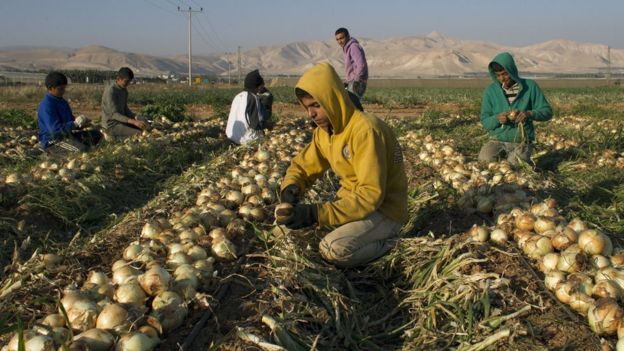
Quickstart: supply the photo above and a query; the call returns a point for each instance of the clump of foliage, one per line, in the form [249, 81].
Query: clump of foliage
[14, 117]
[170, 109]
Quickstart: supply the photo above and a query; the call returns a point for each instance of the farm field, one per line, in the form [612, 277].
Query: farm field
[182, 206]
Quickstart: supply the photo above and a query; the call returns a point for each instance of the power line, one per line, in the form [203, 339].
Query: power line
[160, 7]
[215, 44]
[204, 39]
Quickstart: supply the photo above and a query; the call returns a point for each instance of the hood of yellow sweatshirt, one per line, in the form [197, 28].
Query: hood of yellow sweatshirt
[323, 83]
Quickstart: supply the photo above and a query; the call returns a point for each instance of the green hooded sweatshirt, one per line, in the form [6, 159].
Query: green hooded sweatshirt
[530, 98]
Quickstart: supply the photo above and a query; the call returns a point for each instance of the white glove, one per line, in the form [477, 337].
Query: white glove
[81, 121]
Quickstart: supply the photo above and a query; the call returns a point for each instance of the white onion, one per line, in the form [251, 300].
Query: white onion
[166, 298]
[549, 262]
[525, 221]
[593, 242]
[155, 280]
[499, 236]
[570, 262]
[113, 317]
[197, 253]
[479, 233]
[581, 302]
[151, 230]
[130, 293]
[604, 318]
[98, 278]
[82, 314]
[607, 288]
[132, 252]
[96, 339]
[600, 262]
[543, 224]
[553, 278]
[577, 225]
[224, 249]
[563, 239]
[537, 246]
[169, 318]
[136, 342]
[125, 274]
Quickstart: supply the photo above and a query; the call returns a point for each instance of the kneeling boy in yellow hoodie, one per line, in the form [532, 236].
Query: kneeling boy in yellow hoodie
[371, 204]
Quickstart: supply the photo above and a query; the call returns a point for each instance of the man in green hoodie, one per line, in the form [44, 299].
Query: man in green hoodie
[510, 105]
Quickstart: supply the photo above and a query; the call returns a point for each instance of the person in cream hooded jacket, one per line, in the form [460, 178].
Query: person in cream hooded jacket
[371, 204]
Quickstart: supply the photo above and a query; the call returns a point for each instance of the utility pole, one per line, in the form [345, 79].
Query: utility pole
[240, 70]
[190, 46]
[608, 65]
[229, 74]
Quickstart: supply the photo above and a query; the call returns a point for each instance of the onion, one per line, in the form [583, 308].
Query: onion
[257, 214]
[617, 260]
[607, 288]
[39, 343]
[125, 274]
[226, 216]
[236, 228]
[549, 262]
[571, 262]
[188, 235]
[525, 221]
[130, 293]
[169, 318]
[187, 275]
[283, 212]
[217, 234]
[251, 189]
[114, 317]
[543, 224]
[234, 198]
[54, 320]
[177, 259]
[151, 230]
[604, 317]
[537, 246]
[564, 290]
[155, 280]
[245, 210]
[600, 262]
[553, 278]
[132, 252]
[594, 243]
[197, 253]
[82, 314]
[136, 342]
[580, 302]
[582, 281]
[166, 298]
[98, 278]
[205, 267]
[224, 249]
[478, 233]
[70, 296]
[98, 292]
[577, 225]
[96, 339]
[564, 239]
[499, 236]
[118, 264]
[262, 155]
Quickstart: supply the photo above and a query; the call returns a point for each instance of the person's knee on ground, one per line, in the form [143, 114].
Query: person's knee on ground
[489, 152]
[344, 256]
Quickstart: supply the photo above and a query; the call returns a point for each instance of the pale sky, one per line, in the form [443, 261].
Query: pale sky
[156, 27]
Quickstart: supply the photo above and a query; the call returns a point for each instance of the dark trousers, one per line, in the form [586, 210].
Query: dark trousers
[77, 141]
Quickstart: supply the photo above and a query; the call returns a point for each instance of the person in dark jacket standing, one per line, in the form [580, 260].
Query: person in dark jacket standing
[251, 110]
[59, 130]
[117, 119]
[356, 67]
[510, 106]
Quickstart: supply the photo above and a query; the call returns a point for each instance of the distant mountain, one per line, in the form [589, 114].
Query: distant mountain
[431, 55]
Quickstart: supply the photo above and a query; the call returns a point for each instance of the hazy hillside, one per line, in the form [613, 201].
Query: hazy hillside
[430, 55]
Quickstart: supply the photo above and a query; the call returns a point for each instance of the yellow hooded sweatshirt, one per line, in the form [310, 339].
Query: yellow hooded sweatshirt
[362, 151]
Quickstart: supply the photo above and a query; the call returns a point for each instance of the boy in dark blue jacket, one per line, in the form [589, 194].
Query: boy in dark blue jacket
[59, 130]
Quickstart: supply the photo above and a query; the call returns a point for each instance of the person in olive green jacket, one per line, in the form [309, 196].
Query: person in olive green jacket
[118, 122]
[371, 204]
[510, 105]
